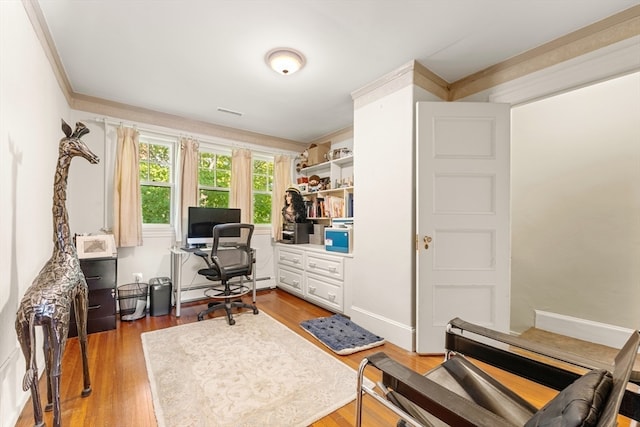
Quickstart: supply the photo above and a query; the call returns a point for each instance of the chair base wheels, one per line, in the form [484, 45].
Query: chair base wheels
[227, 306]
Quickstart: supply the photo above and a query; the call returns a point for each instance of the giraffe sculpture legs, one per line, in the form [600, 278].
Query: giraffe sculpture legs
[54, 329]
[31, 377]
[82, 311]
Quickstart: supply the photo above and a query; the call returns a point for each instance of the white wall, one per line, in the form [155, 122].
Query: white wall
[31, 106]
[90, 209]
[576, 205]
[383, 292]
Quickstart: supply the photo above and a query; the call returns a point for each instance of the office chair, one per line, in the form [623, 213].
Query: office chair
[458, 393]
[231, 256]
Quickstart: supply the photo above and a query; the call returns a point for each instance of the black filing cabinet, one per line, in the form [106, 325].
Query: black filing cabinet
[100, 274]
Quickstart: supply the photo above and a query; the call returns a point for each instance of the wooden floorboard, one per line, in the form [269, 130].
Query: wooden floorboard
[122, 396]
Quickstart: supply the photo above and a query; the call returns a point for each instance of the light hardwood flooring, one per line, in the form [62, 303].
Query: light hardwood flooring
[122, 397]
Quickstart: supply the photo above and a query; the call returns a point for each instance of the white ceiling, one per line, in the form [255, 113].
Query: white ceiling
[190, 57]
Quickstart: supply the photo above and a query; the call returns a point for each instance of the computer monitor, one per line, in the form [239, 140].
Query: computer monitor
[201, 220]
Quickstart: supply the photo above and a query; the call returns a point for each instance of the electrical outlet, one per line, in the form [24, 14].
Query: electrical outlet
[137, 277]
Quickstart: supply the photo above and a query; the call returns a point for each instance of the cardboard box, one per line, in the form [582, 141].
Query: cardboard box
[317, 153]
[317, 238]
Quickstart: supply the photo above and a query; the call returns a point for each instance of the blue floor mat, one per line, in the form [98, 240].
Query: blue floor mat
[341, 335]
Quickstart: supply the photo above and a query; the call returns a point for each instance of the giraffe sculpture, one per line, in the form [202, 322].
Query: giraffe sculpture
[47, 302]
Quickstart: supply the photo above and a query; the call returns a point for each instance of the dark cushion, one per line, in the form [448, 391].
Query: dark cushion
[580, 404]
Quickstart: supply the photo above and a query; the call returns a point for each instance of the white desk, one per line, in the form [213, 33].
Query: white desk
[177, 255]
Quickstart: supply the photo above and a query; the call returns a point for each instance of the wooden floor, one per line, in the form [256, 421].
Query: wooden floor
[122, 397]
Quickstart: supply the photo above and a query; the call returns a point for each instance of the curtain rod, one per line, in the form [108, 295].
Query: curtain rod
[233, 144]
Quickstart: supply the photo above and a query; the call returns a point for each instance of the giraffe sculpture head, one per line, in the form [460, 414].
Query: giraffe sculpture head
[73, 146]
[70, 146]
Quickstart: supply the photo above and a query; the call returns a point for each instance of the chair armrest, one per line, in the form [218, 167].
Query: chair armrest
[528, 345]
[204, 256]
[432, 397]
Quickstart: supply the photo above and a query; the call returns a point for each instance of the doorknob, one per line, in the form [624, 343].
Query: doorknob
[427, 240]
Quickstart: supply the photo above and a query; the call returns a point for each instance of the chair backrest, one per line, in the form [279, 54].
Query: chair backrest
[231, 251]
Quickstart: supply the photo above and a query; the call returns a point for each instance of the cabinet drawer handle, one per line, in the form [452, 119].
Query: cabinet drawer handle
[296, 283]
[332, 269]
[93, 277]
[94, 307]
[312, 289]
[332, 297]
[312, 265]
[296, 261]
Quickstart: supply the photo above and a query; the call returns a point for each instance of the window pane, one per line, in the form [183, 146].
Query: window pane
[223, 179]
[144, 172]
[206, 169]
[224, 162]
[155, 164]
[155, 204]
[158, 173]
[262, 208]
[214, 198]
[260, 183]
[143, 150]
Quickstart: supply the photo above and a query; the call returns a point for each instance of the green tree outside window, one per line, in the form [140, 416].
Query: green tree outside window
[262, 185]
[155, 162]
[214, 177]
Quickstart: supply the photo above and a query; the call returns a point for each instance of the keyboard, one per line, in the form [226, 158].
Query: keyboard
[190, 249]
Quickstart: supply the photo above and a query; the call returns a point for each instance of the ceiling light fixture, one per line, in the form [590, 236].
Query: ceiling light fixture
[284, 60]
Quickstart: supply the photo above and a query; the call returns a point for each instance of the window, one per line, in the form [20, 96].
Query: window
[214, 177]
[262, 185]
[156, 179]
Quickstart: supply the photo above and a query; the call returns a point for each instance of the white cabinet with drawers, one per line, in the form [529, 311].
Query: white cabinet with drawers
[320, 277]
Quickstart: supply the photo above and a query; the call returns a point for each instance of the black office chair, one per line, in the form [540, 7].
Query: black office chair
[231, 256]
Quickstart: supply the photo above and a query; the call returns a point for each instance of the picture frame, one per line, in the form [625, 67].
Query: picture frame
[98, 246]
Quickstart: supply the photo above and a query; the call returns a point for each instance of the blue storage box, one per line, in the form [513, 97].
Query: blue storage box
[338, 240]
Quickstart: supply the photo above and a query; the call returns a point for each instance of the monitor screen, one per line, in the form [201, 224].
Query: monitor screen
[201, 221]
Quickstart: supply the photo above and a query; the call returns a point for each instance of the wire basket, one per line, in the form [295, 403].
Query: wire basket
[132, 299]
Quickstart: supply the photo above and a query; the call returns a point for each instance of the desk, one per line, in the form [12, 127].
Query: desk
[177, 255]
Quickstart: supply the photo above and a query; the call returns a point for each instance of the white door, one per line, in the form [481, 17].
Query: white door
[463, 220]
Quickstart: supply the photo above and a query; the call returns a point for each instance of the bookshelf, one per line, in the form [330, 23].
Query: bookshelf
[336, 200]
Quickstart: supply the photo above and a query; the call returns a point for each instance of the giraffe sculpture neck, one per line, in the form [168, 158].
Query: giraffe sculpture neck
[61, 232]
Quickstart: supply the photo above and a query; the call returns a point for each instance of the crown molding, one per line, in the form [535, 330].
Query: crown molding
[34, 13]
[137, 114]
[616, 60]
[336, 137]
[598, 36]
[611, 30]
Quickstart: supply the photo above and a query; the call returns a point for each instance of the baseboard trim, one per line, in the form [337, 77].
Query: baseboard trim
[586, 330]
[13, 399]
[401, 335]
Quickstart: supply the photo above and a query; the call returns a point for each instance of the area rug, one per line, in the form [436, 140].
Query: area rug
[341, 335]
[254, 373]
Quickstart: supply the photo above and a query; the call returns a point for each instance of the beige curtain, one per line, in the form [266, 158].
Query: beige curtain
[241, 191]
[281, 181]
[127, 207]
[188, 180]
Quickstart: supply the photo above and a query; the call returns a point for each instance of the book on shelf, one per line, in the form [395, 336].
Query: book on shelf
[329, 207]
[349, 206]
